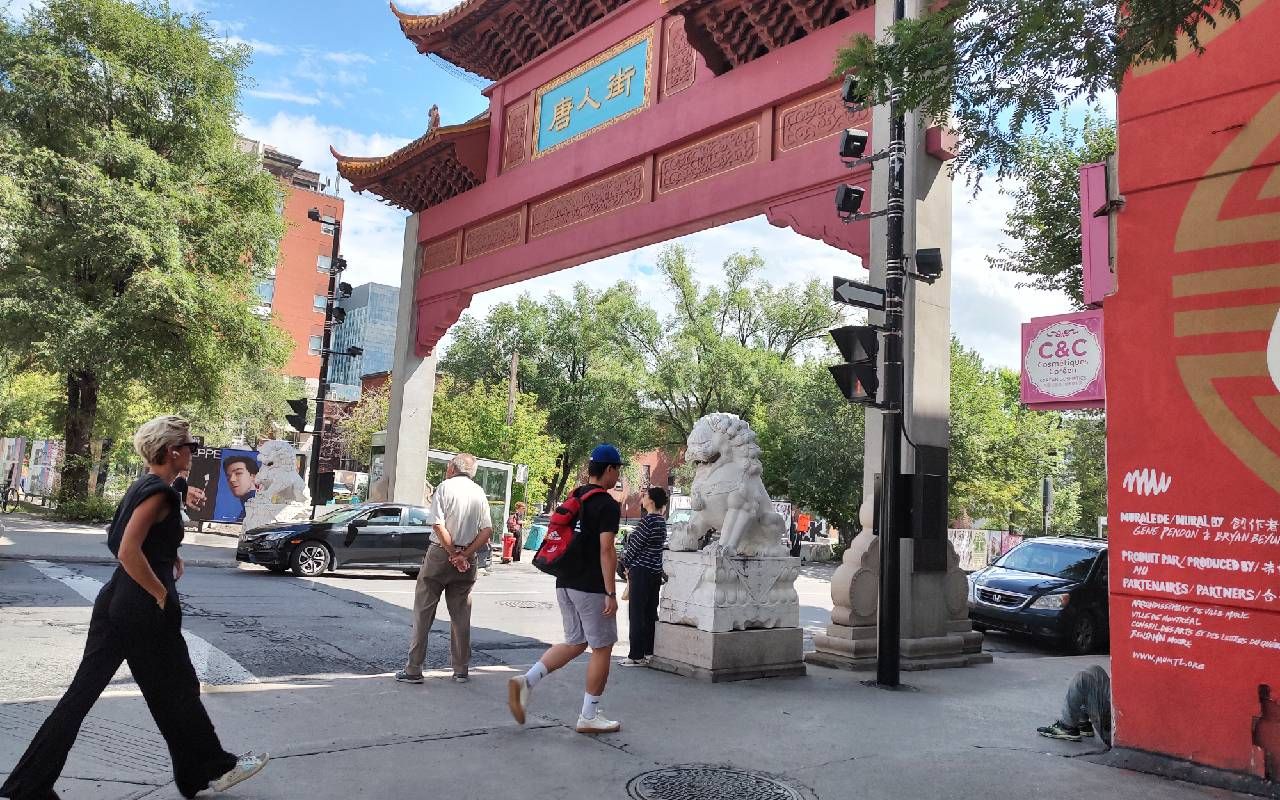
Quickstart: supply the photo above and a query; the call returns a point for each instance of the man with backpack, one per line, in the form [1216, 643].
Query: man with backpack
[579, 551]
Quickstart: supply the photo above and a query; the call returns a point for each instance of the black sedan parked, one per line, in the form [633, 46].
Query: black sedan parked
[366, 536]
[1050, 588]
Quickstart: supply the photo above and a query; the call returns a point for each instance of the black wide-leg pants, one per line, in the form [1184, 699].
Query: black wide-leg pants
[642, 610]
[128, 625]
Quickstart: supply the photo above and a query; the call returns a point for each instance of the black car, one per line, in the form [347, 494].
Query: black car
[1050, 588]
[365, 536]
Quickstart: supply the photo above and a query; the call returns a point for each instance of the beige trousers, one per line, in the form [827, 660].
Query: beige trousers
[439, 577]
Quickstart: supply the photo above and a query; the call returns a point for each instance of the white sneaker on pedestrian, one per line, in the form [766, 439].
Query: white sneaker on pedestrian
[597, 724]
[246, 767]
[518, 697]
[634, 662]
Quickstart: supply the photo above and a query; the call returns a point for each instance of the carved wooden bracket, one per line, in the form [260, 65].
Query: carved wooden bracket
[436, 315]
[814, 215]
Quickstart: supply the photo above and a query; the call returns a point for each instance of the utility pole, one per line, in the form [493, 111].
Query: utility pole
[317, 437]
[888, 629]
[512, 388]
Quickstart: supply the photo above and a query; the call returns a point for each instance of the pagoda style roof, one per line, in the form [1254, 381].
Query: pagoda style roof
[442, 163]
[493, 38]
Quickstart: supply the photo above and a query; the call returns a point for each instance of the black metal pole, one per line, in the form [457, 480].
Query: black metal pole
[888, 629]
[317, 437]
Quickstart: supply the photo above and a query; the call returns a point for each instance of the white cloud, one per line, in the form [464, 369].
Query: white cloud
[373, 233]
[340, 57]
[258, 46]
[283, 96]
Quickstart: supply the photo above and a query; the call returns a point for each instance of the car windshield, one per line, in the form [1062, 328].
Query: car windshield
[1060, 561]
[342, 515]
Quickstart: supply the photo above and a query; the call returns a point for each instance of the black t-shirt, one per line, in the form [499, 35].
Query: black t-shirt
[161, 545]
[600, 514]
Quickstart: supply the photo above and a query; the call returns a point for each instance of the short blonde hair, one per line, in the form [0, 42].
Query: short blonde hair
[154, 437]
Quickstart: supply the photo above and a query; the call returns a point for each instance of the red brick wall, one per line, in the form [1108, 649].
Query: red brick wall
[297, 279]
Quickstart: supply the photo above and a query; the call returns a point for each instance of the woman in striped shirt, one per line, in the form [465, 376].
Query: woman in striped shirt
[642, 558]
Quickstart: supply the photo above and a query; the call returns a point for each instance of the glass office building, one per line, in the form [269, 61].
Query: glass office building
[371, 325]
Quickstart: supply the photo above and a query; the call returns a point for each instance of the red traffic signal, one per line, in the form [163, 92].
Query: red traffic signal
[858, 378]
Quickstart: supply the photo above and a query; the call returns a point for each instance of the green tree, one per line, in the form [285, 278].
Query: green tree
[1000, 451]
[473, 419]
[1045, 221]
[1087, 467]
[574, 358]
[728, 348]
[812, 443]
[29, 402]
[369, 416]
[135, 226]
[998, 69]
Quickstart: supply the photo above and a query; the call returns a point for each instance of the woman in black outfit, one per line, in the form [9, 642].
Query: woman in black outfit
[137, 618]
[642, 557]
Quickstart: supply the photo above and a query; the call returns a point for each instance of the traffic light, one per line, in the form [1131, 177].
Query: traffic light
[338, 315]
[859, 377]
[324, 489]
[298, 419]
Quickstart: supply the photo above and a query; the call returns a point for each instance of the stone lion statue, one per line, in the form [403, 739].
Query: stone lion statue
[728, 495]
[280, 492]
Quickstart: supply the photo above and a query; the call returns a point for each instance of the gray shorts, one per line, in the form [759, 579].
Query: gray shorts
[584, 621]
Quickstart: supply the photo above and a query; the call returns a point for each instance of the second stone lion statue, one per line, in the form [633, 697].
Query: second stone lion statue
[728, 494]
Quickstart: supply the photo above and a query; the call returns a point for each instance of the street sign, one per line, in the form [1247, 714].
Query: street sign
[855, 293]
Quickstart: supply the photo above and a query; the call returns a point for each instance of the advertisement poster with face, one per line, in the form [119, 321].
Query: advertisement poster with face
[222, 480]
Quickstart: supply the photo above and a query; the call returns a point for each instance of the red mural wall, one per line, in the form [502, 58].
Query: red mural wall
[1193, 396]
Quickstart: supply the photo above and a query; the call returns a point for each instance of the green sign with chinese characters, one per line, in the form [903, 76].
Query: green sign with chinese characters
[607, 89]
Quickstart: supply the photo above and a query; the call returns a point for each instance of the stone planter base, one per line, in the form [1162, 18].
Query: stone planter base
[854, 649]
[728, 656]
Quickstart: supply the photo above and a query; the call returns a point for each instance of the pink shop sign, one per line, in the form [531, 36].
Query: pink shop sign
[1062, 361]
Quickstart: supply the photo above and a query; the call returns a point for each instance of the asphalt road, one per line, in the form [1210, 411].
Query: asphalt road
[246, 624]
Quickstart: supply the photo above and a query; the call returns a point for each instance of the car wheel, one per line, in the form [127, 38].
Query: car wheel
[412, 573]
[310, 559]
[1084, 634]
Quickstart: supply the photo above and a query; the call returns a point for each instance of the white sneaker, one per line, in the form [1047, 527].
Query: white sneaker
[518, 697]
[634, 662]
[597, 724]
[246, 767]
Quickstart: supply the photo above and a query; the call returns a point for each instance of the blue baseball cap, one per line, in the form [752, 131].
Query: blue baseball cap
[606, 454]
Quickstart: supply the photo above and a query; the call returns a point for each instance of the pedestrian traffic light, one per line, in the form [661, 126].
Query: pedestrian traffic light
[323, 491]
[298, 419]
[338, 315]
[859, 377]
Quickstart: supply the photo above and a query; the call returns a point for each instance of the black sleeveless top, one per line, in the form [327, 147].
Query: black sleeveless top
[161, 545]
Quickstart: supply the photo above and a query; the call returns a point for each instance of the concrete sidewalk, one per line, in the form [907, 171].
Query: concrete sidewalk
[963, 733]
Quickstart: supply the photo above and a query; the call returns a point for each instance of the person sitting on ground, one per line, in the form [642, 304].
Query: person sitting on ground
[1087, 709]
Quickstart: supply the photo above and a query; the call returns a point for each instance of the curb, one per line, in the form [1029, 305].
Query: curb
[106, 561]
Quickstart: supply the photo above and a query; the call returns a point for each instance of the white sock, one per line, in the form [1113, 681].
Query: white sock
[536, 673]
[590, 704]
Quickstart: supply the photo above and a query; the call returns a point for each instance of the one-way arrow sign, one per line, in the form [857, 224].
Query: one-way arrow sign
[854, 293]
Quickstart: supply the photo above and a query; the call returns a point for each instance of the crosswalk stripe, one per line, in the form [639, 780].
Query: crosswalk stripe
[213, 666]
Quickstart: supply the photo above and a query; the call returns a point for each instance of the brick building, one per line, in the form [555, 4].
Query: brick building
[294, 295]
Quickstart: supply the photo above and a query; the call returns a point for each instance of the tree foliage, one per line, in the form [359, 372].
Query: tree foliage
[1000, 68]
[135, 225]
[1045, 221]
[1001, 452]
[573, 358]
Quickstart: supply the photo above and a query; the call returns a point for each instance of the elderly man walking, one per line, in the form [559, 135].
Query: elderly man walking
[461, 528]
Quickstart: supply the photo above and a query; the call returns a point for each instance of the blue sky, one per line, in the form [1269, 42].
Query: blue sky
[340, 72]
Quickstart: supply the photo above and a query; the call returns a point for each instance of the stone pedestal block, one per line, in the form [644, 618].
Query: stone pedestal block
[936, 632]
[714, 592]
[728, 656]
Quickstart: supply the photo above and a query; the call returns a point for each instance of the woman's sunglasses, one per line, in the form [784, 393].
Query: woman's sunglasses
[194, 444]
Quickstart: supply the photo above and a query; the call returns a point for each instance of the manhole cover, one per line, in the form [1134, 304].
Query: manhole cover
[527, 604]
[696, 782]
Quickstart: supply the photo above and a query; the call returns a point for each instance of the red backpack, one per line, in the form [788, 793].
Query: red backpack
[559, 554]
